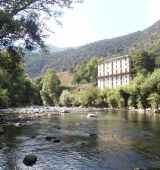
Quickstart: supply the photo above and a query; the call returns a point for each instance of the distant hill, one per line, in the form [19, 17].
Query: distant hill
[148, 39]
[55, 49]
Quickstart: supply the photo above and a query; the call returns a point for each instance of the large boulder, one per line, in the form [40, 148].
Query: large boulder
[29, 160]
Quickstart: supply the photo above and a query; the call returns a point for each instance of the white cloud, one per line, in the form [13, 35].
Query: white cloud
[154, 12]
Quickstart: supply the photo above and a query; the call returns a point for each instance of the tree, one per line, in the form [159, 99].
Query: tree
[65, 98]
[124, 93]
[101, 98]
[11, 61]
[4, 97]
[144, 62]
[15, 86]
[139, 91]
[37, 82]
[25, 21]
[158, 61]
[50, 83]
[111, 98]
[87, 72]
[154, 99]
[89, 95]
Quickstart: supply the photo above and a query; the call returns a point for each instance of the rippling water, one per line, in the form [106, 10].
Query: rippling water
[122, 140]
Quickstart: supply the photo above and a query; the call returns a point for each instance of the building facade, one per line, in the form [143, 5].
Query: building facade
[114, 72]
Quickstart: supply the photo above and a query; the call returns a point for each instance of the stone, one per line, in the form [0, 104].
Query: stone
[48, 137]
[93, 135]
[56, 141]
[29, 160]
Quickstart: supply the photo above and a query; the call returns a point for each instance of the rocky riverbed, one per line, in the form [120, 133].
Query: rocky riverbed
[68, 138]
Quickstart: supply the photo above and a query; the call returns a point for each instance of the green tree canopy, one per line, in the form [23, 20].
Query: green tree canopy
[50, 83]
[16, 88]
[87, 72]
[24, 21]
[65, 98]
[144, 62]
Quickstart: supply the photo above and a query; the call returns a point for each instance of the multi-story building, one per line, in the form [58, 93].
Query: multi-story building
[114, 72]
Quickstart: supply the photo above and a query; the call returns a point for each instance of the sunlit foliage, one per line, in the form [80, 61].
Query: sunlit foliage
[49, 92]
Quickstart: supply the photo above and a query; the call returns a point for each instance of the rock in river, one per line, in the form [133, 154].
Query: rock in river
[48, 137]
[29, 160]
[56, 141]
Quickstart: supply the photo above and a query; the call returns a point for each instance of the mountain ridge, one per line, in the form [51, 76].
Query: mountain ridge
[53, 48]
[147, 39]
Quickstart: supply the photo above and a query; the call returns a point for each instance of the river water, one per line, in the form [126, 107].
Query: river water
[114, 140]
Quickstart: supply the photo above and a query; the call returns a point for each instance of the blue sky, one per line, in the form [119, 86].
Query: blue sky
[95, 20]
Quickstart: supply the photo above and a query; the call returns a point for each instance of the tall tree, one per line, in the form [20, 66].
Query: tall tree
[15, 86]
[50, 83]
[24, 21]
[65, 98]
[139, 91]
[144, 62]
[89, 95]
[124, 93]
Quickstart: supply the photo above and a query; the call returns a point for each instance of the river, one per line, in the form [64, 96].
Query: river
[114, 140]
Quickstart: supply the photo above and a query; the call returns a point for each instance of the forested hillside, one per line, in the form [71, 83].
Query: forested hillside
[148, 39]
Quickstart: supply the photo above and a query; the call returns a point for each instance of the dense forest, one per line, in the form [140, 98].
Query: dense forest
[23, 28]
[143, 90]
[20, 23]
[148, 39]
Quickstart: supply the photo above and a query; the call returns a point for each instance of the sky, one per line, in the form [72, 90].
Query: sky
[95, 20]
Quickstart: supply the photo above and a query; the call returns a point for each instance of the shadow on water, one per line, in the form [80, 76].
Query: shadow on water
[113, 140]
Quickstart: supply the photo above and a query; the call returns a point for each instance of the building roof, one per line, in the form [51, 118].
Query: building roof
[116, 58]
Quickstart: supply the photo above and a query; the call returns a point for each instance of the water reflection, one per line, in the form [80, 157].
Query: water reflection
[120, 140]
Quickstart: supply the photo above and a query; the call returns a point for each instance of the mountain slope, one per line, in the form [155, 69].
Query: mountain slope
[55, 49]
[148, 39]
[65, 78]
